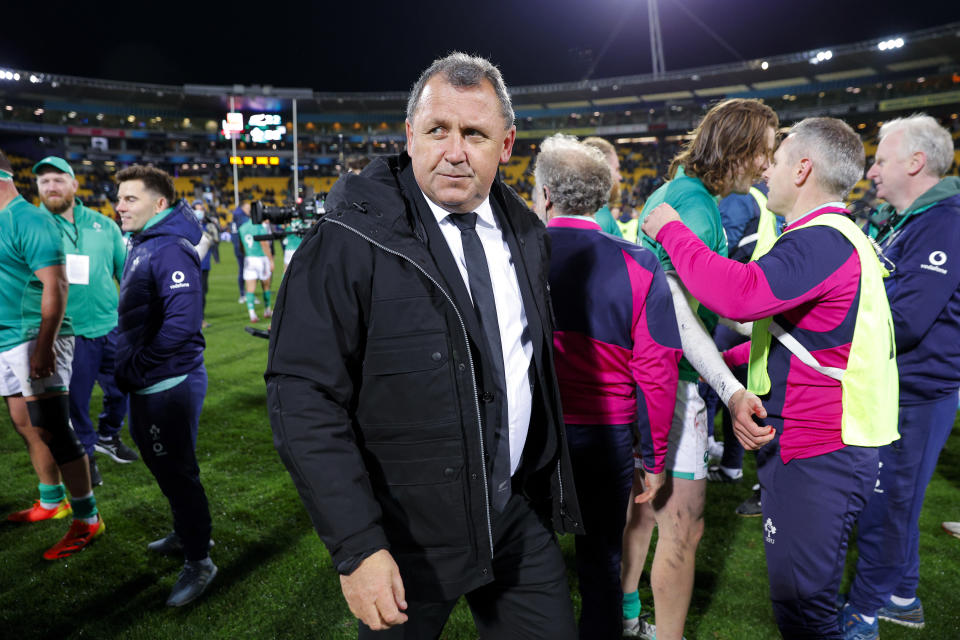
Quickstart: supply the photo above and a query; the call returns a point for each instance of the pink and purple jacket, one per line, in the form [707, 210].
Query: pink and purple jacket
[616, 330]
[810, 283]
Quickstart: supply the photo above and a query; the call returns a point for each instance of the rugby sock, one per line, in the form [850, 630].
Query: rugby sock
[250, 300]
[85, 508]
[732, 473]
[51, 495]
[266, 299]
[897, 600]
[631, 605]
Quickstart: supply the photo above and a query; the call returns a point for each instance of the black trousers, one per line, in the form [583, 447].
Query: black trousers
[204, 287]
[164, 427]
[529, 597]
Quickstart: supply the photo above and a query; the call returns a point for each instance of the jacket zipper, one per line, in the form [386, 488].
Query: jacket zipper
[473, 377]
[560, 484]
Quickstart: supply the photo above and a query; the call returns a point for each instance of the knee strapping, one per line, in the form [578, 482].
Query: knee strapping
[53, 415]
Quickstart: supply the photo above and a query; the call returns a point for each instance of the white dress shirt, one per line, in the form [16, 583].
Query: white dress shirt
[511, 317]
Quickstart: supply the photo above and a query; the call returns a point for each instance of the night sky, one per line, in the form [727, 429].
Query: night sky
[370, 46]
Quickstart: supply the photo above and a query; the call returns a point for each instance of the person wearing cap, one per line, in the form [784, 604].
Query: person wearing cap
[95, 253]
[36, 353]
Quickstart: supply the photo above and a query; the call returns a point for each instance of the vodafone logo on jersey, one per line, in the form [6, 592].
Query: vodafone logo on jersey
[935, 262]
[178, 280]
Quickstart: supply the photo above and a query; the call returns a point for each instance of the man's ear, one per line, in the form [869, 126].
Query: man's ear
[802, 171]
[507, 148]
[917, 162]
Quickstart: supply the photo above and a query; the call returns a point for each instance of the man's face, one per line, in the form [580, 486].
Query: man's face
[137, 204]
[614, 161]
[779, 178]
[456, 141]
[751, 171]
[891, 171]
[56, 189]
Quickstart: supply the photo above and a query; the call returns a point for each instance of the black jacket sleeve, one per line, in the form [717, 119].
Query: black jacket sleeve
[316, 353]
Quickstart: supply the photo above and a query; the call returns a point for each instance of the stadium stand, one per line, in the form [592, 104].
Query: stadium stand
[94, 124]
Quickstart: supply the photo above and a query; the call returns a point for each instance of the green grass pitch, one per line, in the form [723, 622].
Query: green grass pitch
[275, 577]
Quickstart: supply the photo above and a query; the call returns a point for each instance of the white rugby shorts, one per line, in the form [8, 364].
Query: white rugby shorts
[15, 369]
[257, 268]
[687, 445]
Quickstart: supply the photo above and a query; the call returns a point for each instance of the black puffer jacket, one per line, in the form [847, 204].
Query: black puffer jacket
[376, 385]
[161, 303]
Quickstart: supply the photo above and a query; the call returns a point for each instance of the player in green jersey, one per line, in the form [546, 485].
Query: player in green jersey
[257, 265]
[95, 253]
[36, 352]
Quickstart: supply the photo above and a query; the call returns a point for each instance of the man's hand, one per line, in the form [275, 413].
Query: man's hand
[661, 215]
[743, 406]
[42, 362]
[374, 592]
[650, 484]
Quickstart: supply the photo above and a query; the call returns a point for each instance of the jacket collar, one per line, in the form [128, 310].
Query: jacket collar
[386, 204]
[178, 221]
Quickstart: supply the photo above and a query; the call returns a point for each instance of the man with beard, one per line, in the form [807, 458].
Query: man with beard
[36, 350]
[95, 253]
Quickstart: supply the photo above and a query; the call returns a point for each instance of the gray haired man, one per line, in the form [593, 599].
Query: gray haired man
[617, 349]
[411, 382]
[919, 232]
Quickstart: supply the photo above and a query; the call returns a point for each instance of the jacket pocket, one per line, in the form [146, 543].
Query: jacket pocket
[422, 501]
[407, 381]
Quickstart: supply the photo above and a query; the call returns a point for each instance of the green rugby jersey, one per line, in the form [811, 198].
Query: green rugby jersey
[95, 253]
[29, 241]
[698, 210]
[252, 247]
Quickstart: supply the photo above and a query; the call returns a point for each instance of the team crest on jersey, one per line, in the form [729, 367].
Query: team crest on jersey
[177, 277]
[96, 225]
[769, 531]
[935, 262]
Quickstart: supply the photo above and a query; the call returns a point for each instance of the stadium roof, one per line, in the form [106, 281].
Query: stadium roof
[925, 51]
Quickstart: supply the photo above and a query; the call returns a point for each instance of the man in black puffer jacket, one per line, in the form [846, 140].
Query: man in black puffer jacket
[159, 361]
[417, 410]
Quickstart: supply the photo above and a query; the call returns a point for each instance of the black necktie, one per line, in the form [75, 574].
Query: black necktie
[481, 290]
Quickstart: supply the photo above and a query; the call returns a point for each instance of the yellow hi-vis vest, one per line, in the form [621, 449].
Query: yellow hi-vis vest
[869, 383]
[629, 229]
[766, 227]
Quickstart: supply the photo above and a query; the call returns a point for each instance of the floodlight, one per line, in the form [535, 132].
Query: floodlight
[892, 43]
